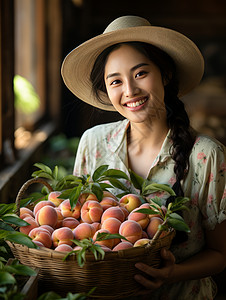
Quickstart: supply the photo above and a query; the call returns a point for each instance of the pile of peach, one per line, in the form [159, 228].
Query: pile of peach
[53, 224]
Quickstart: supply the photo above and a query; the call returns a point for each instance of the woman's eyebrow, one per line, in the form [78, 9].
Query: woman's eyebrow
[132, 69]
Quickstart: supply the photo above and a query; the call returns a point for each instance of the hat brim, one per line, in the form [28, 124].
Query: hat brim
[78, 64]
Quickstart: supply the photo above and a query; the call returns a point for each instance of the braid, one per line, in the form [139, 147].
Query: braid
[181, 136]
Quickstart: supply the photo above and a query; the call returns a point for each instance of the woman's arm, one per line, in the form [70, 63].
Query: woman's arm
[208, 262]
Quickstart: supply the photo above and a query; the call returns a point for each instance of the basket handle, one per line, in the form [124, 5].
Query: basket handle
[25, 187]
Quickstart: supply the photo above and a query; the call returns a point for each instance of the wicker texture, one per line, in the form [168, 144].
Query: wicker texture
[112, 277]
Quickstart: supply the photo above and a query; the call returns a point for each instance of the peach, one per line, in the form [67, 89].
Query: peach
[108, 243]
[144, 234]
[47, 215]
[64, 248]
[141, 242]
[66, 210]
[62, 235]
[113, 212]
[112, 225]
[130, 201]
[60, 217]
[47, 227]
[41, 235]
[142, 219]
[91, 211]
[70, 222]
[25, 210]
[107, 202]
[83, 231]
[96, 225]
[39, 244]
[105, 248]
[131, 230]
[83, 197]
[153, 226]
[25, 215]
[41, 204]
[28, 228]
[125, 211]
[109, 194]
[53, 197]
[122, 246]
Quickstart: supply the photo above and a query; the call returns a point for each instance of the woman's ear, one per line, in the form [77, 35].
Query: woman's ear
[167, 78]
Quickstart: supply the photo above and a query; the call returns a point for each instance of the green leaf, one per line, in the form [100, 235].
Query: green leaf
[6, 278]
[20, 269]
[43, 175]
[101, 236]
[20, 238]
[55, 172]
[176, 216]
[14, 219]
[157, 201]
[97, 190]
[5, 226]
[99, 172]
[117, 184]
[136, 180]
[113, 173]
[178, 225]
[7, 208]
[44, 168]
[105, 186]
[73, 197]
[147, 211]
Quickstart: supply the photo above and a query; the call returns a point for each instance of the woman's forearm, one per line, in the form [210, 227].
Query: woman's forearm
[205, 263]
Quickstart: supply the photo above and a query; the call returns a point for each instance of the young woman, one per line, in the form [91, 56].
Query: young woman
[140, 71]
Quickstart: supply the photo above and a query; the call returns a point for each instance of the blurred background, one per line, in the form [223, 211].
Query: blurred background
[41, 120]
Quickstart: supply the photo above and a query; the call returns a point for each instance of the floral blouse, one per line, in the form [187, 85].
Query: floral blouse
[204, 185]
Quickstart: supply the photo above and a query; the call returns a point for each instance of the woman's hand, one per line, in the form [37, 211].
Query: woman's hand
[156, 277]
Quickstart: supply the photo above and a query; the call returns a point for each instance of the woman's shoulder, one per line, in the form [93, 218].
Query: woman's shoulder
[207, 144]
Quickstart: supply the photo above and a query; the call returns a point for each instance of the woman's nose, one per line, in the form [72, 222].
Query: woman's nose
[131, 88]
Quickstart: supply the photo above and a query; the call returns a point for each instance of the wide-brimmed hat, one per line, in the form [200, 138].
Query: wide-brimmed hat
[78, 64]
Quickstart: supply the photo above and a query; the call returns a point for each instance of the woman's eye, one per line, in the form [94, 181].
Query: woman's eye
[141, 73]
[115, 82]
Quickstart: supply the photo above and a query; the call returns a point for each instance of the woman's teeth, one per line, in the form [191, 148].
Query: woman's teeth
[137, 103]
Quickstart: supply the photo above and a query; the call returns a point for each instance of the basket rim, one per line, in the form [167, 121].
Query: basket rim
[125, 253]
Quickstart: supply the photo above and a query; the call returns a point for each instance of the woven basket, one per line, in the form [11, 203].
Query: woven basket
[113, 276]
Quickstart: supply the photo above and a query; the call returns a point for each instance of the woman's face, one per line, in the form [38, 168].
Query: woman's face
[134, 85]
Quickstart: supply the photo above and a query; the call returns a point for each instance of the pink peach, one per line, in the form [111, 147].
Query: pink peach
[41, 204]
[25, 210]
[142, 219]
[54, 198]
[66, 210]
[91, 211]
[130, 201]
[84, 231]
[141, 242]
[131, 230]
[28, 228]
[41, 235]
[62, 235]
[122, 246]
[107, 202]
[47, 215]
[153, 226]
[70, 222]
[108, 243]
[83, 197]
[64, 248]
[113, 212]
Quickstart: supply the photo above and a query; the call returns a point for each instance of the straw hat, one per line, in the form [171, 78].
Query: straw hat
[77, 65]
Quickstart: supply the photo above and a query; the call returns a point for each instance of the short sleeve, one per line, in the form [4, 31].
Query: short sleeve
[213, 194]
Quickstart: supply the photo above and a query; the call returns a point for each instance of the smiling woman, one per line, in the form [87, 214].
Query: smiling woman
[140, 71]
